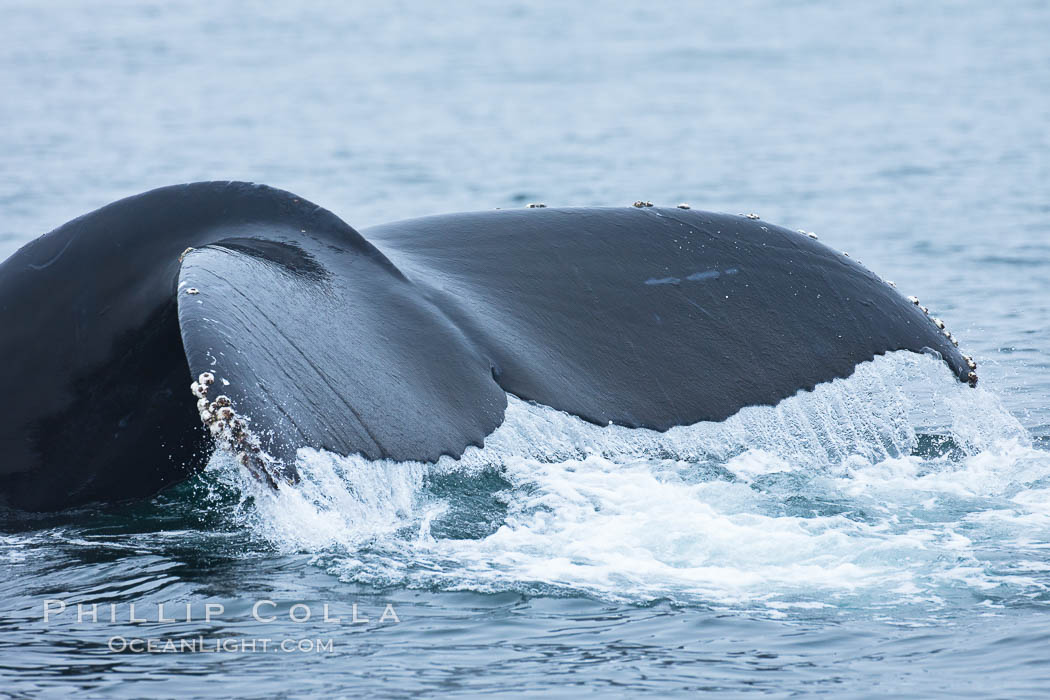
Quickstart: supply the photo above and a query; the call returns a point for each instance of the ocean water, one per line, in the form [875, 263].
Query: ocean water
[884, 535]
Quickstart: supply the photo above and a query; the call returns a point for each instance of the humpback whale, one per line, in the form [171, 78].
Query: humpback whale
[136, 337]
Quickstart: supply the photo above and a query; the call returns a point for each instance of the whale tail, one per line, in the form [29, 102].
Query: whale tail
[294, 330]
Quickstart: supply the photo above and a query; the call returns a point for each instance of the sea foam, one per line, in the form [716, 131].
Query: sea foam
[895, 486]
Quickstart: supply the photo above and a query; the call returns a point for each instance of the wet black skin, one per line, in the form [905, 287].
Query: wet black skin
[402, 341]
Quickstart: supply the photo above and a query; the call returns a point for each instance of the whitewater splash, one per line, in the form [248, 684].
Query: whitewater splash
[896, 486]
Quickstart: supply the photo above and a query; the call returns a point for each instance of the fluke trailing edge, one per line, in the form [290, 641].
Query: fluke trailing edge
[296, 330]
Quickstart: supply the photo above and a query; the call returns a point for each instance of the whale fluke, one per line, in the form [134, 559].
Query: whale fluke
[321, 342]
[401, 341]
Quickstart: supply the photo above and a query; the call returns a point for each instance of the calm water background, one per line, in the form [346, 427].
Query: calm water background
[906, 551]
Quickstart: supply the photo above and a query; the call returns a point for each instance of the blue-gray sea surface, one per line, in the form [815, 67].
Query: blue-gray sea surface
[884, 535]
